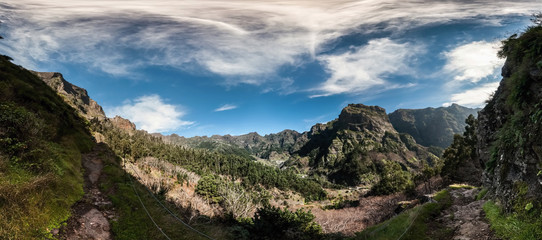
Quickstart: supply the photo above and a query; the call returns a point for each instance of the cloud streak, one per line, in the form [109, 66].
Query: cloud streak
[365, 67]
[225, 107]
[152, 114]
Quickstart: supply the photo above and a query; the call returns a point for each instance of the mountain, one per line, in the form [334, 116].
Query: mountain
[274, 148]
[349, 150]
[510, 127]
[432, 126]
[359, 146]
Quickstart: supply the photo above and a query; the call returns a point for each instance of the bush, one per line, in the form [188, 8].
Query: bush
[513, 226]
[393, 179]
[274, 223]
[209, 187]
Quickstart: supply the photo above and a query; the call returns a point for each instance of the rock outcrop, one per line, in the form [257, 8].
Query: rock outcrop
[510, 125]
[432, 126]
[85, 106]
[123, 124]
[73, 95]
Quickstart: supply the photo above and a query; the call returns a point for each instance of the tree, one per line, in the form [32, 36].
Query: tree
[460, 156]
[275, 223]
[537, 18]
[392, 178]
[208, 187]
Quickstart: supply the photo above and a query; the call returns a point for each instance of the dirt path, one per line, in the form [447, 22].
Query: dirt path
[466, 216]
[90, 215]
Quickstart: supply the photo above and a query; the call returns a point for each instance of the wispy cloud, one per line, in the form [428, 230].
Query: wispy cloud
[474, 97]
[365, 67]
[473, 61]
[225, 107]
[152, 114]
[243, 41]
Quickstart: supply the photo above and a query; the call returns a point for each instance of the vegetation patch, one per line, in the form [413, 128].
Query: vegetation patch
[41, 141]
[460, 186]
[514, 226]
[133, 222]
[202, 162]
[415, 223]
[274, 223]
[481, 194]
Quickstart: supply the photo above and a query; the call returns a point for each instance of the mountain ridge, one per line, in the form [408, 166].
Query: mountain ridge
[432, 126]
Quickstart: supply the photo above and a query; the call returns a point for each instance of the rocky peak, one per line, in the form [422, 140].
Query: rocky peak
[123, 124]
[359, 117]
[75, 96]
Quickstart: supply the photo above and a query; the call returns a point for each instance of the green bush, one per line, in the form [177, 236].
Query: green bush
[515, 226]
[209, 187]
[393, 179]
[275, 223]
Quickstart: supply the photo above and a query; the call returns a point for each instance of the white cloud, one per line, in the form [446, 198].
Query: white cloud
[365, 67]
[152, 114]
[475, 97]
[473, 61]
[233, 38]
[225, 107]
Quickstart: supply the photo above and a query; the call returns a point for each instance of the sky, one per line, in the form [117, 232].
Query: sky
[198, 67]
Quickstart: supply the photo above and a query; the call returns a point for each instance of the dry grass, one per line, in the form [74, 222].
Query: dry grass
[371, 210]
[161, 177]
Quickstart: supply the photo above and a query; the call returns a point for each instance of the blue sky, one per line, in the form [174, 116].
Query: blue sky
[233, 67]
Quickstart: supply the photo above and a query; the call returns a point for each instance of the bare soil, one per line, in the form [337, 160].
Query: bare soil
[90, 215]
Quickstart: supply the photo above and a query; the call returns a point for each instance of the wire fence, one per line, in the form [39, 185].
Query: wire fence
[147, 211]
[171, 212]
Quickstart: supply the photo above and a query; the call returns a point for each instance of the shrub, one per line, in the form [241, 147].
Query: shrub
[274, 223]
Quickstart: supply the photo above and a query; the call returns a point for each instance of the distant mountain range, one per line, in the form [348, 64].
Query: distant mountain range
[429, 127]
[432, 126]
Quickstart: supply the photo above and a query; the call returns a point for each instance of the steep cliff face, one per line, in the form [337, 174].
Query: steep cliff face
[85, 106]
[73, 95]
[432, 126]
[510, 126]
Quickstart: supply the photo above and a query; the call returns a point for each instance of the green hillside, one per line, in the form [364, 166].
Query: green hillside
[41, 141]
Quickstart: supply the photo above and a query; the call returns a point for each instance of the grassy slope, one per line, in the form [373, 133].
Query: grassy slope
[415, 223]
[516, 226]
[41, 140]
[133, 222]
